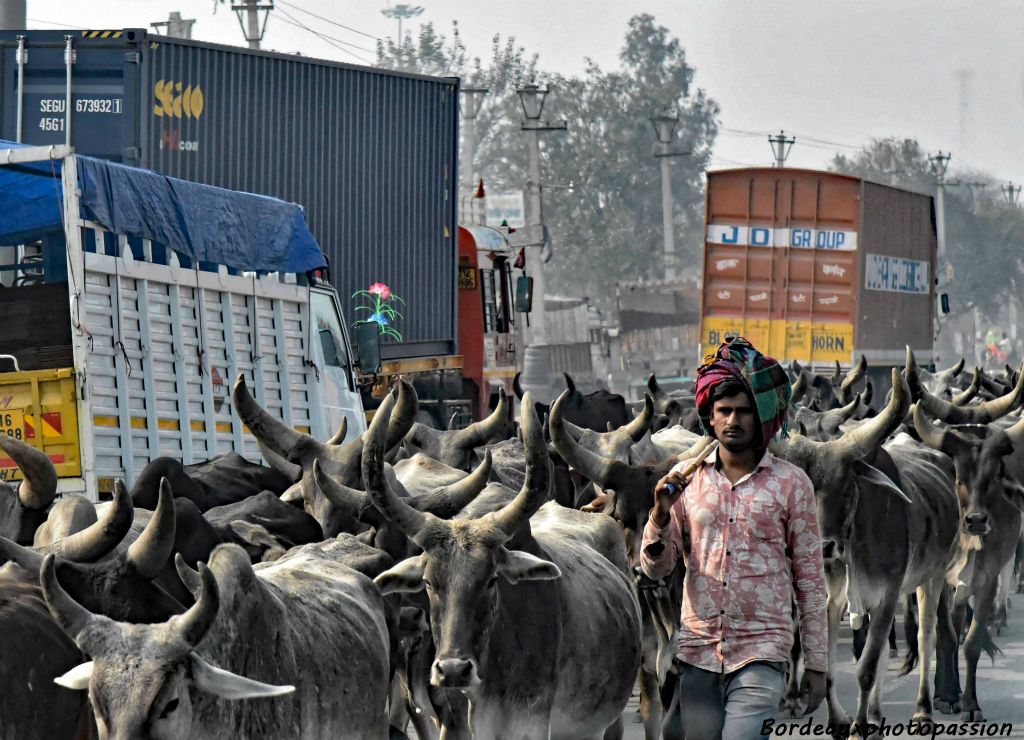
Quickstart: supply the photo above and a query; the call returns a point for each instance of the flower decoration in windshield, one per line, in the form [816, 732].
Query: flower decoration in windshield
[381, 305]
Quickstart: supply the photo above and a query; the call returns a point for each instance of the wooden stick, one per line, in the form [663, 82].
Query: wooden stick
[696, 462]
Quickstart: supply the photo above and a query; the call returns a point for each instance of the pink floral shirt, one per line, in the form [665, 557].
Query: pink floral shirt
[748, 548]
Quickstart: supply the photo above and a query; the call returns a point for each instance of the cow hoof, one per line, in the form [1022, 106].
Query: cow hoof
[972, 716]
[945, 707]
[637, 717]
[894, 653]
[922, 723]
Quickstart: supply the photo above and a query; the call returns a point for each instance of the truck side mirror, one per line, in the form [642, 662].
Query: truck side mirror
[367, 335]
[944, 303]
[524, 294]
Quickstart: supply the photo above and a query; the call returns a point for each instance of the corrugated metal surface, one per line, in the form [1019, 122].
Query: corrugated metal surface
[785, 261]
[370, 154]
[899, 310]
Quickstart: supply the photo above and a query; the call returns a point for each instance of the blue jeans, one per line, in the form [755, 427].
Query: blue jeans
[729, 706]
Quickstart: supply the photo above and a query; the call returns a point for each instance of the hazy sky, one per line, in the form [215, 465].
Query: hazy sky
[832, 72]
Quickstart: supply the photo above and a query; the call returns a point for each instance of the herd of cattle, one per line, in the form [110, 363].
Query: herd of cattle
[483, 582]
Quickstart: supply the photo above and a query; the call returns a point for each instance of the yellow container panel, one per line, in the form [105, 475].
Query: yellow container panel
[40, 407]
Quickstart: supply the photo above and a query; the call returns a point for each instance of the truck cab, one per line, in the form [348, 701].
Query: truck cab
[132, 302]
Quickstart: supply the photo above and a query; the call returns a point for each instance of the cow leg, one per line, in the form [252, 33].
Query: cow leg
[947, 669]
[1002, 597]
[871, 659]
[875, 697]
[893, 650]
[928, 604]
[860, 636]
[650, 704]
[978, 639]
[614, 731]
[835, 573]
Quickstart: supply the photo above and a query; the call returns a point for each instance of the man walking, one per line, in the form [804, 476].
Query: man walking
[746, 527]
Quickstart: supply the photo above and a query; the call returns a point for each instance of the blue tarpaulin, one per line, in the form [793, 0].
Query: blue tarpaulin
[204, 223]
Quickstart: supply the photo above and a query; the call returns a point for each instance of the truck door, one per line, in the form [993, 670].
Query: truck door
[337, 382]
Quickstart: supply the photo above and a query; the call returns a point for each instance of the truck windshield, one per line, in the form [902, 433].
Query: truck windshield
[328, 328]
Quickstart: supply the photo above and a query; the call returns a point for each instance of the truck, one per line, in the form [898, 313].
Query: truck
[131, 301]
[819, 267]
[370, 154]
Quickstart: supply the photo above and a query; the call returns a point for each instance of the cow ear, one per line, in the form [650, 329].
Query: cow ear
[227, 685]
[406, 577]
[1014, 492]
[874, 476]
[518, 566]
[77, 679]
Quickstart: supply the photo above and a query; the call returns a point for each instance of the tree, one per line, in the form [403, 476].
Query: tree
[984, 237]
[607, 228]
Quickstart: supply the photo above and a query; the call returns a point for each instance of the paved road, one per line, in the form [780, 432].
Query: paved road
[1000, 686]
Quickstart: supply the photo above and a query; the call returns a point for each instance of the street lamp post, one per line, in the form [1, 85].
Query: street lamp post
[473, 100]
[536, 363]
[252, 28]
[1011, 193]
[939, 164]
[781, 146]
[664, 128]
[401, 12]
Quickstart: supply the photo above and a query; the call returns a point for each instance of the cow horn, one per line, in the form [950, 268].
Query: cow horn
[263, 426]
[193, 625]
[535, 488]
[402, 415]
[831, 420]
[102, 536]
[1016, 433]
[868, 394]
[944, 440]
[517, 387]
[480, 432]
[653, 387]
[391, 507]
[151, 552]
[859, 442]
[837, 375]
[852, 378]
[339, 436]
[68, 613]
[590, 464]
[951, 373]
[22, 556]
[453, 425]
[570, 384]
[39, 487]
[637, 428]
[449, 500]
[290, 470]
[188, 575]
[355, 505]
[981, 413]
[799, 388]
[964, 398]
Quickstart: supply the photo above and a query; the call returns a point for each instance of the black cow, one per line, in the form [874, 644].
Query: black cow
[596, 411]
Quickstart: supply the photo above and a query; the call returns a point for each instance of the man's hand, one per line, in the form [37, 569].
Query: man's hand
[666, 493]
[812, 690]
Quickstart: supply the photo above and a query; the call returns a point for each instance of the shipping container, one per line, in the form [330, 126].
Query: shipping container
[370, 154]
[818, 267]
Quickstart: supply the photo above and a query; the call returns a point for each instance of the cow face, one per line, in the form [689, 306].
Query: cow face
[141, 678]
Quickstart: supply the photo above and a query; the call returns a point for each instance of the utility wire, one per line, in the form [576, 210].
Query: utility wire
[51, 23]
[328, 20]
[327, 39]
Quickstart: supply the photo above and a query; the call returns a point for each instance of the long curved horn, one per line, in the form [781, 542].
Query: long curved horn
[1016, 434]
[290, 470]
[391, 507]
[837, 375]
[193, 625]
[152, 551]
[263, 426]
[538, 474]
[831, 420]
[852, 378]
[653, 387]
[859, 442]
[637, 428]
[38, 489]
[480, 432]
[25, 557]
[101, 536]
[339, 436]
[868, 393]
[517, 387]
[591, 465]
[449, 500]
[964, 398]
[68, 613]
[355, 505]
[570, 384]
[403, 414]
[982, 413]
[188, 575]
[943, 440]
[951, 373]
[799, 388]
